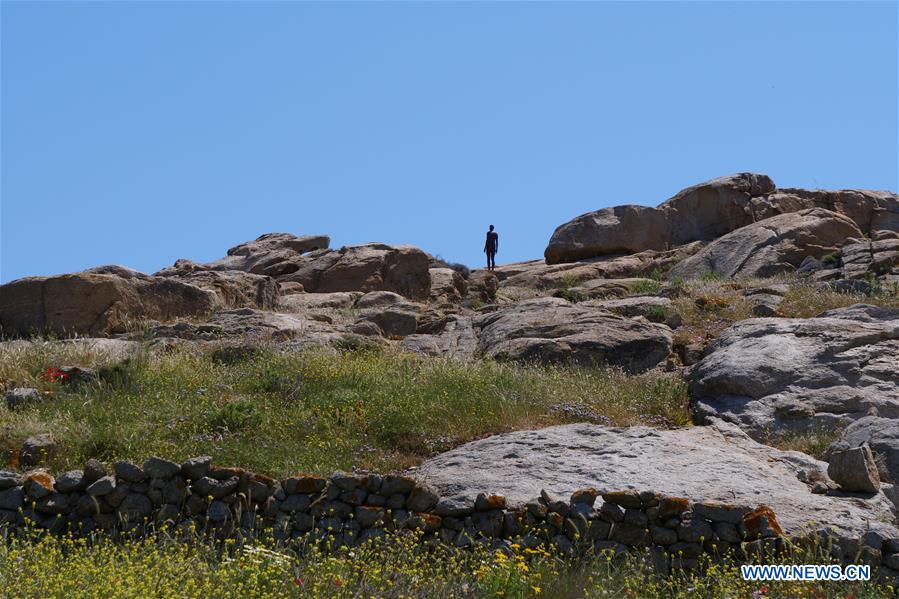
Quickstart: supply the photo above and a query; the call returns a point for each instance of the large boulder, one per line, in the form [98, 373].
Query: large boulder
[550, 329]
[871, 210]
[403, 269]
[272, 254]
[715, 463]
[236, 289]
[771, 246]
[781, 375]
[92, 303]
[701, 212]
[709, 210]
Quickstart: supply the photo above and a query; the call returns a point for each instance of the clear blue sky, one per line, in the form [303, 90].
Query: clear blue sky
[139, 133]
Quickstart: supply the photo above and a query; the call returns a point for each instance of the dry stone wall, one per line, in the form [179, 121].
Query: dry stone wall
[346, 509]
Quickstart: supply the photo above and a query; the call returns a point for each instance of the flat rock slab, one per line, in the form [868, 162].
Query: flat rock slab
[718, 463]
[781, 375]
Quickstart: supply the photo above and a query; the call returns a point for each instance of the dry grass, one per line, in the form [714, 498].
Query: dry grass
[281, 412]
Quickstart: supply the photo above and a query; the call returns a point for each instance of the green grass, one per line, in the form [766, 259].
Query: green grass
[282, 412]
[647, 286]
[399, 567]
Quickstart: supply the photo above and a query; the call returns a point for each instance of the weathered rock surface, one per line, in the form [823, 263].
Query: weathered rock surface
[713, 463]
[864, 258]
[95, 304]
[701, 212]
[272, 254]
[552, 329]
[457, 339]
[784, 375]
[853, 468]
[882, 436]
[549, 330]
[306, 261]
[447, 285]
[235, 289]
[771, 246]
[403, 269]
[710, 210]
[303, 302]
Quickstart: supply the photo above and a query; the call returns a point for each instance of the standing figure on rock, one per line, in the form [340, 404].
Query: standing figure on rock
[491, 247]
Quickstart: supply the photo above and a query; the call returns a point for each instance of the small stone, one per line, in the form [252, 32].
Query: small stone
[630, 534]
[102, 486]
[853, 468]
[611, 512]
[484, 502]
[12, 499]
[9, 479]
[196, 468]
[695, 531]
[218, 511]
[21, 397]
[217, 489]
[422, 499]
[38, 484]
[94, 470]
[304, 483]
[662, 536]
[587, 496]
[129, 472]
[296, 503]
[719, 512]
[159, 468]
[727, 532]
[134, 507]
[625, 499]
[36, 450]
[70, 481]
[396, 484]
[344, 481]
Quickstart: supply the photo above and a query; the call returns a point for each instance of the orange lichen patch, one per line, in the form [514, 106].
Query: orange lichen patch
[496, 502]
[586, 495]
[672, 506]
[555, 519]
[762, 521]
[42, 478]
[304, 482]
[428, 522]
[261, 478]
[226, 471]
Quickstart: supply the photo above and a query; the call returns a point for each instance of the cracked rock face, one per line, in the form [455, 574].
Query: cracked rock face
[771, 246]
[776, 375]
[550, 330]
[710, 463]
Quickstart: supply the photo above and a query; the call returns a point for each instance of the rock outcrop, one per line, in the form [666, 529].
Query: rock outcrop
[713, 463]
[96, 304]
[772, 246]
[779, 375]
[370, 267]
[554, 330]
[549, 330]
[709, 210]
[702, 212]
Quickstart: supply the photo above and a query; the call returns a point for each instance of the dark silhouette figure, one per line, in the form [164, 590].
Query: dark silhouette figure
[491, 247]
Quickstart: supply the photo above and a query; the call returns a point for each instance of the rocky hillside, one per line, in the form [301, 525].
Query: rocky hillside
[778, 308]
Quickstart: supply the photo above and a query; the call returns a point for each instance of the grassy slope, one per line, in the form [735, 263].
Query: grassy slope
[279, 413]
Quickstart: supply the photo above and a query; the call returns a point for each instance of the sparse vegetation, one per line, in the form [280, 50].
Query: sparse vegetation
[282, 412]
[159, 566]
[647, 286]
